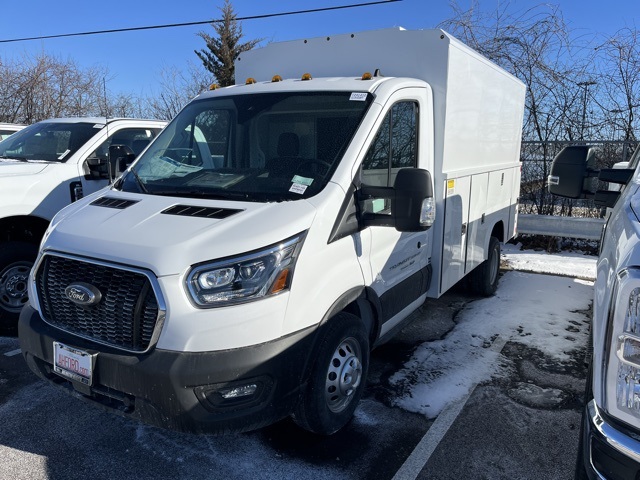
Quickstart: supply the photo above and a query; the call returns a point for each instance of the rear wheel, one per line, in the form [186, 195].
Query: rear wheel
[16, 260]
[483, 280]
[337, 377]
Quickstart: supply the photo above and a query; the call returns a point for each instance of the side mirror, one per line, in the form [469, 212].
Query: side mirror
[573, 173]
[414, 206]
[408, 206]
[120, 157]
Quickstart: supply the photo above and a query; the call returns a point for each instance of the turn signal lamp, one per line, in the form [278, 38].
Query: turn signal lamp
[306, 76]
[276, 78]
[250, 81]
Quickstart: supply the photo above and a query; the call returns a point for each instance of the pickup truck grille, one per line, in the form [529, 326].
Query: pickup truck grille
[125, 317]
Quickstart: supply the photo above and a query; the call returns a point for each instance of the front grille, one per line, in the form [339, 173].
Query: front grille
[125, 317]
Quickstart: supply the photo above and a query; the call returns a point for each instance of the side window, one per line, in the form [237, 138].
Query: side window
[135, 138]
[394, 147]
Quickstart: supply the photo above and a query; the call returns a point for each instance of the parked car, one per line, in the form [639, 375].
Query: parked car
[43, 168]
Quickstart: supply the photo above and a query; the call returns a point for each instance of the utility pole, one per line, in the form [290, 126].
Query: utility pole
[586, 86]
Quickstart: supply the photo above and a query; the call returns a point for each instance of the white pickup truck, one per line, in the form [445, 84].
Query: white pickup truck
[610, 434]
[244, 266]
[43, 168]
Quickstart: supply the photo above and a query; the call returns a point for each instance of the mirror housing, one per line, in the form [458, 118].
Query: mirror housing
[573, 175]
[120, 157]
[412, 206]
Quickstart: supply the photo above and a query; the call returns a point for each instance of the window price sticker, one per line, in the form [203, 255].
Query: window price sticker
[298, 188]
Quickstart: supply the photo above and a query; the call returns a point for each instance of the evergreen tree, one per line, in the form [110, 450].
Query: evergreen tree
[225, 47]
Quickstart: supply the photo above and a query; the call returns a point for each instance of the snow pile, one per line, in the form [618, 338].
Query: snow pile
[545, 312]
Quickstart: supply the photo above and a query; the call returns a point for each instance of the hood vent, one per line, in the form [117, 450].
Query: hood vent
[204, 212]
[111, 202]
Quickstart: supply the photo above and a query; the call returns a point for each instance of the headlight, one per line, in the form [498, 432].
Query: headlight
[246, 278]
[622, 387]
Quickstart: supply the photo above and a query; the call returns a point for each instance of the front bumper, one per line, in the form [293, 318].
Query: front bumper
[610, 450]
[180, 390]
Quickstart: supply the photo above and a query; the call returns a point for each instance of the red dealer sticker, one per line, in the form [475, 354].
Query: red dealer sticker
[72, 363]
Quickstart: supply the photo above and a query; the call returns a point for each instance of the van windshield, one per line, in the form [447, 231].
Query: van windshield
[257, 147]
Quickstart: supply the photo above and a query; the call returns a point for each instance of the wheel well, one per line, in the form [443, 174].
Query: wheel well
[23, 228]
[498, 231]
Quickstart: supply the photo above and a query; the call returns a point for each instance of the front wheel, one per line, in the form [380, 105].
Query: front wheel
[16, 260]
[337, 377]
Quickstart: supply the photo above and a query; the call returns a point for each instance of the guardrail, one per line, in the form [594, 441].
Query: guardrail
[570, 227]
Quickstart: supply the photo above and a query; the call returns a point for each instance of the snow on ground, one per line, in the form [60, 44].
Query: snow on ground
[571, 264]
[541, 311]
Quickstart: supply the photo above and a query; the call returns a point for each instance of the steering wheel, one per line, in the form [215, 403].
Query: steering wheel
[316, 167]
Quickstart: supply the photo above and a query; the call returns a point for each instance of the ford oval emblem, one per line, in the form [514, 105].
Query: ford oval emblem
[83, 294]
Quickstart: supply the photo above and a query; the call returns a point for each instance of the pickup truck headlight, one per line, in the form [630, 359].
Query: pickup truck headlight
[247, 277]
[622, 387]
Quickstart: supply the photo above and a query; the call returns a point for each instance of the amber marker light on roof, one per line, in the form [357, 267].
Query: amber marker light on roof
[307, 76]
[250, 81]
[214, 86]
[367, 76]
[276, 78]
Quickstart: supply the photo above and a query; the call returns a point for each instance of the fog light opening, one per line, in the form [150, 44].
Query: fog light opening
[238, 392]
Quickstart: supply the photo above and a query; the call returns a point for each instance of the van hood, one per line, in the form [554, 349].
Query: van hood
[167, 235]
[18, 167]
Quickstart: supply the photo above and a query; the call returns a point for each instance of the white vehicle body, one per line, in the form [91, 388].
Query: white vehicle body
[273, 259]
[7, 129]
[610, 434]
[43, 168]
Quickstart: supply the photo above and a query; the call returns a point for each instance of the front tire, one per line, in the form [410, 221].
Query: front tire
[337, 377]
[16, 260]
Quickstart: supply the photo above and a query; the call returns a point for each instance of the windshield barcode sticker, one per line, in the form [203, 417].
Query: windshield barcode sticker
[358, 96]
[298, 188]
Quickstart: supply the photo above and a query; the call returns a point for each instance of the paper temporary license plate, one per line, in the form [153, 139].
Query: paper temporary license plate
[72, 363]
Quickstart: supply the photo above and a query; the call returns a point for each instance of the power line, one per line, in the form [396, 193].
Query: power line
[188, 24]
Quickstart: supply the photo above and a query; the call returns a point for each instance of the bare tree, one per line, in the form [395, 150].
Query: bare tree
[178, 87]
[224, 48]
[34, 88]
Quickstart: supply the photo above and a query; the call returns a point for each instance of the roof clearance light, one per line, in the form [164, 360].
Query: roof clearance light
[276, 78]
[250, 81]
[214, 86]
[306, 76]
[367, 76]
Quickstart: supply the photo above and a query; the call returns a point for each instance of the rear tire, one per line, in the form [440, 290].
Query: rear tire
[16, 260]
[338, 376]
[483, 280]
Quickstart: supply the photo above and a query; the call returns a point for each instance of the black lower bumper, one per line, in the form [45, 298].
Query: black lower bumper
[179, 390]
[610, 450]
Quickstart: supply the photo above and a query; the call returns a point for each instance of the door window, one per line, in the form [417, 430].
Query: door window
[394, 147]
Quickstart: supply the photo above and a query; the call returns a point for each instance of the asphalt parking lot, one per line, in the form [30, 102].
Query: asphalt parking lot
[516, 413]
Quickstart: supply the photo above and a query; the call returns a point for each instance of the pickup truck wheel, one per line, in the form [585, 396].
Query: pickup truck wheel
[483, 280]
[337, 377]
[16, 260]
